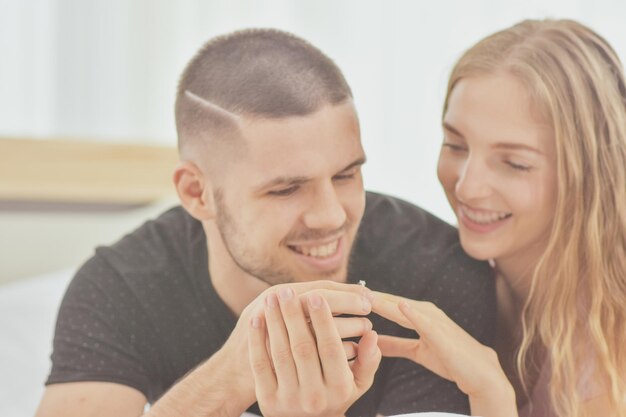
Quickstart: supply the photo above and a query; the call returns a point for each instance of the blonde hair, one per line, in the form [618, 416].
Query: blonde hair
[576, 308]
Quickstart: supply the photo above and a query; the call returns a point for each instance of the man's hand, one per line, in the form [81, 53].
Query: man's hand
[299, 360]
[341, 299]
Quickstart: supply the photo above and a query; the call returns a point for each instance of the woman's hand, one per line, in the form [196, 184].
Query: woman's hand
[300, 367]
[449, 351]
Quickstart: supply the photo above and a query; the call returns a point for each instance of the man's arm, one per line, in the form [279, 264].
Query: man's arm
[195, 395]
[224, 385]
[91, 399]
[210, 390]
[221, 386]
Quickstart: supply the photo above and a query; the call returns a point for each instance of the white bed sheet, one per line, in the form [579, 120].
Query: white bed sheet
[28, 309]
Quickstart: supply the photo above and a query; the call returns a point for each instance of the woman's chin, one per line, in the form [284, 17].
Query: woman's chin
[480, 252]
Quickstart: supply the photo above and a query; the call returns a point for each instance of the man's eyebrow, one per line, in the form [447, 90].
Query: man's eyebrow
[296, 180]
[354, 164]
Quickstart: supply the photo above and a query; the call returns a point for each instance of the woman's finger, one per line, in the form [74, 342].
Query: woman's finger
[433, 325]
[398, 347]
[418, 318]
[416, 350]
[264, 377]
[386, 305]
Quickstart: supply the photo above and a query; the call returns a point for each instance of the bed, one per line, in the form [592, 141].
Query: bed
[27, 315]
[28, 309]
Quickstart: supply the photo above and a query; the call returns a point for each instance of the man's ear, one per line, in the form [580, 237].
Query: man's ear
[194, 190]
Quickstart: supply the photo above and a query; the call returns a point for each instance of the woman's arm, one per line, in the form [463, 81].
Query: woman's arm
[449, 351]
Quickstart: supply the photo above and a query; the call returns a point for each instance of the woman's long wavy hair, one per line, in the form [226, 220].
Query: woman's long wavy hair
[576, 309]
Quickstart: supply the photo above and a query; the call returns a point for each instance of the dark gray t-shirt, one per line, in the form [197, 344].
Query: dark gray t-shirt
[143, 312]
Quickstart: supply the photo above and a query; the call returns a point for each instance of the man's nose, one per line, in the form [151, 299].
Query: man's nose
[326, 212]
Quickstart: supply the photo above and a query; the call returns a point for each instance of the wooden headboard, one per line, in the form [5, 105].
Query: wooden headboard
[67, 171]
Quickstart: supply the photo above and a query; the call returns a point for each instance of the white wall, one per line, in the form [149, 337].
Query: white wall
[108, 69]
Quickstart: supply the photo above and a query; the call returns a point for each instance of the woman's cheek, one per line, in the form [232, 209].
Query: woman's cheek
[448, 172]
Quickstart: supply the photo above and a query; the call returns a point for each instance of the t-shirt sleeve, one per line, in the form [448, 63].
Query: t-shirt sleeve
[464, 290]
[96, 331]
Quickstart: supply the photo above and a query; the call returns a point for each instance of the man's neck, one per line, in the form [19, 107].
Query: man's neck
[236, 288]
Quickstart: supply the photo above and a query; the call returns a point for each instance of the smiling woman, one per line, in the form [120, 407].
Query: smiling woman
[533, 163]
[498, 168]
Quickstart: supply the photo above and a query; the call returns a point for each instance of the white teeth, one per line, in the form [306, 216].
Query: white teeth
[482, 217]
[322, 251]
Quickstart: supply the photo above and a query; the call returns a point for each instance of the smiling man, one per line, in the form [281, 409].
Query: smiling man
[271, 201]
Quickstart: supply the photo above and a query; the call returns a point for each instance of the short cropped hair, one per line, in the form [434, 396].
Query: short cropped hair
[262, 73]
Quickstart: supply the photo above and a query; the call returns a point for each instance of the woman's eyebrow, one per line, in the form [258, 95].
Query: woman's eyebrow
[447, 126]
[515, 146]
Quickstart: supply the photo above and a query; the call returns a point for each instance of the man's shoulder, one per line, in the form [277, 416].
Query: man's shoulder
[400, 244]
[402, 249]
[388, 217]
[157, 239]
[167, 242]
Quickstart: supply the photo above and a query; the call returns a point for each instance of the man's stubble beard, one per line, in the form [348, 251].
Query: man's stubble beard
[271, 274]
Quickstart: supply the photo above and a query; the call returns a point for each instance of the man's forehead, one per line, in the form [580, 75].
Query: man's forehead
[328, 139]
[339, 114]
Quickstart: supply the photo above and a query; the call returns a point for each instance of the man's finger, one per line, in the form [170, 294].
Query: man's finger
[264, 378]
[301, 339]
[342, 302]
[329, 344]
[352, 326]
[367, 361]
[351, 350]
[280, 348]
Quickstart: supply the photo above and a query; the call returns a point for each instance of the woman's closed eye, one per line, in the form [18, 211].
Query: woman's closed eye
[517, 166]
[455, 147]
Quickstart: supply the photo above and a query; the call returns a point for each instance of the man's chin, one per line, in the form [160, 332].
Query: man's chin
[337, 275]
